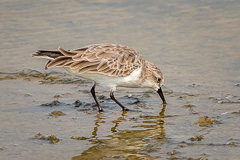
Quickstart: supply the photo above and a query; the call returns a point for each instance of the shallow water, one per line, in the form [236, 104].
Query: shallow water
[194, 43]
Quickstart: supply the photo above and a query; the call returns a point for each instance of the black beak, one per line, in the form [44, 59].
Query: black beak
[161, 95]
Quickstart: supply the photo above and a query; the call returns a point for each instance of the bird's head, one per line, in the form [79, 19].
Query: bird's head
[155, 79]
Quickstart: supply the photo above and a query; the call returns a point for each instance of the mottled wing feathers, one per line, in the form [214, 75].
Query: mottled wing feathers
[67, 53]
[59, 62]
[107, 59]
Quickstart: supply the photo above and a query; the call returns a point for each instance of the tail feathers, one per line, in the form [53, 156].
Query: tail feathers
[50, 55]
[56, 58]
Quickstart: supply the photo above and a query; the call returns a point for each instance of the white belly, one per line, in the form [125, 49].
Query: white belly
[131, 81]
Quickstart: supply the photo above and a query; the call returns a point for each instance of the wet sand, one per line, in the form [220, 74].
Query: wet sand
[194, 43]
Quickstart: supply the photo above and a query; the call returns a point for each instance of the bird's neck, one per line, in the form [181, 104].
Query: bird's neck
[146, 71]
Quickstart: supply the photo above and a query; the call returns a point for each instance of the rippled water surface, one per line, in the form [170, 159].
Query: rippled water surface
[194, 43]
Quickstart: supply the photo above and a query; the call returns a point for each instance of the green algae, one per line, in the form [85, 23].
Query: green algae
[52, 138]
[56, 113]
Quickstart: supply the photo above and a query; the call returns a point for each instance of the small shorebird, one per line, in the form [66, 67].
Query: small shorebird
[108, 65]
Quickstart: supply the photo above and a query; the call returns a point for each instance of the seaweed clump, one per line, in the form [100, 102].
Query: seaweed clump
[2, 148]
[197, 138]
[52, 139]
[205, 121]
[56, 113]
[79, 138]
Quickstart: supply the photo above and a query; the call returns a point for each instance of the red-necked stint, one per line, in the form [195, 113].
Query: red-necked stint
[108, 65]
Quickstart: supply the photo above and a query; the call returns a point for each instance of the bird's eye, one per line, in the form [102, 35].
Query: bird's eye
[158, 79]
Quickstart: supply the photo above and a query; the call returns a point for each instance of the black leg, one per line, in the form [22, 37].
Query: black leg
[95, 98]
[113, 98]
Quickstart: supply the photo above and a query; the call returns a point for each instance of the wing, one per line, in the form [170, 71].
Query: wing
[107, 59]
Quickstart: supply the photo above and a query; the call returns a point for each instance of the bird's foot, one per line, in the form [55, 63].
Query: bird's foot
[125, 109]
[100, 109]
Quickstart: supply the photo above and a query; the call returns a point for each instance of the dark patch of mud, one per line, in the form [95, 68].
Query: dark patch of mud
[77, 103]
[51, 104]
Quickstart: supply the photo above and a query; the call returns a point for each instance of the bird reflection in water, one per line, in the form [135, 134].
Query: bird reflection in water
[124, 144]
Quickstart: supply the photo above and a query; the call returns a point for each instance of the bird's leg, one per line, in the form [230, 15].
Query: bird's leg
[113, 98]
[95, 98]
